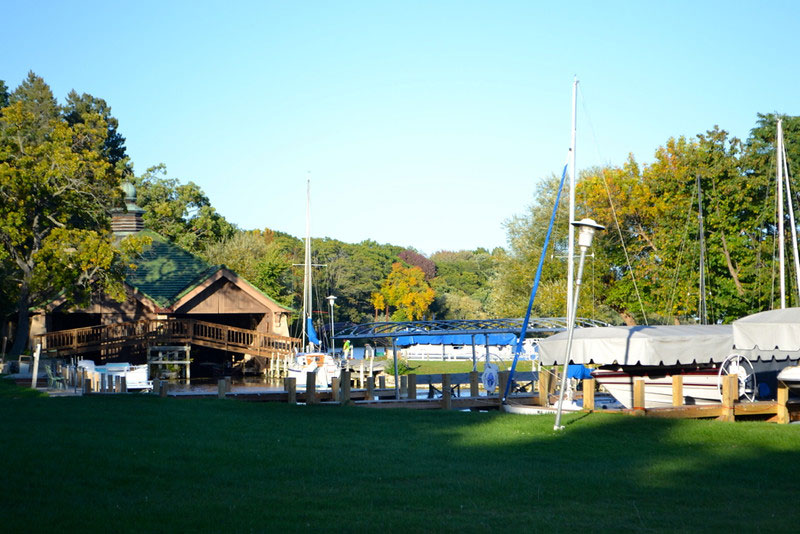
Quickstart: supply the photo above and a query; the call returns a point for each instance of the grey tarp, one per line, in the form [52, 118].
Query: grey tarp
[641, 345]
[769, 330]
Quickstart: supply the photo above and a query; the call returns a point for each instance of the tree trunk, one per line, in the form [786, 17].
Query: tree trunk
[627, 318]
[23, 323]
[731, 268]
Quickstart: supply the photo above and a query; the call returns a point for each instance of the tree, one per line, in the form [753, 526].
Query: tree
[416, 259]
[56, 192]
[406, 289]
[180, 212]
[83, 108]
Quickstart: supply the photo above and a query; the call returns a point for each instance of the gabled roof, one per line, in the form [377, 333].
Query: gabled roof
[164, 270]
[170, 276]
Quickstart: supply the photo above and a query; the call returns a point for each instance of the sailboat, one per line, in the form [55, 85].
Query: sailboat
[310, 359]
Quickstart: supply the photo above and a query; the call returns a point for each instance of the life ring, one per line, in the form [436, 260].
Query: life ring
[489, 377]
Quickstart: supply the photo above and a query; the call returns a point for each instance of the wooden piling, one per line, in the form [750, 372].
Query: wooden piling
[638, 396]
[345, 388]
[412, 386]
[311, 388]
[336, 387]
[370, 388]
[474, 390]
[123, 385]
[677, 390]
[164, 388]
[382, 382]
[290, 384]
[228, 384]
[221, 388]
[86, 383]
[447, 400]
[730, 393]
[543, 384]
[588, 394]
[403, 385]
[782, 417]
[502, 381]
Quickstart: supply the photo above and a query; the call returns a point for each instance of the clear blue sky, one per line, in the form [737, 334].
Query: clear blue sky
[423, 124]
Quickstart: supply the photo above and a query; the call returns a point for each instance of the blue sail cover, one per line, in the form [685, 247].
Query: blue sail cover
[310, 332]
[456, 339]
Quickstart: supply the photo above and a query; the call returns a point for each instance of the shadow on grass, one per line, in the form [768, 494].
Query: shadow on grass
[145, 463]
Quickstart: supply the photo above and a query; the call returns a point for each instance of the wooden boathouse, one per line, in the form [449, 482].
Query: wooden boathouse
[178, 307]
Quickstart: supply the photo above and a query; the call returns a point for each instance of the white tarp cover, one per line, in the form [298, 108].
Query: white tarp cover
[641, 345]
[769, 330]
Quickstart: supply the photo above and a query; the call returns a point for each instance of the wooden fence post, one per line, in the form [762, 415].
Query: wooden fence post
[638, 396]
[447, 400]
[412, 386]
[730, 392]
[677, 390]
[311, 388]
[544, 387]
[782, 416]
[588, 394]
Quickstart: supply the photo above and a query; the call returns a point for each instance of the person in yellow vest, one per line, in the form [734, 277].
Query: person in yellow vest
[348, 349]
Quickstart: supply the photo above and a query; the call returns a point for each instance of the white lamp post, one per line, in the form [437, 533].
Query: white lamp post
[331, 298]
[587, 228]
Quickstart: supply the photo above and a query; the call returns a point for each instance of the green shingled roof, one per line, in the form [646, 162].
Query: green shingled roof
[164, 271]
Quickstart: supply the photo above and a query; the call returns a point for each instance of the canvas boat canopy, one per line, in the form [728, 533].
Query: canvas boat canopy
[769, 330]
[641, 345]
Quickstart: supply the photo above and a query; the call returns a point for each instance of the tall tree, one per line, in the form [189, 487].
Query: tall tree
[56, 193]
[406, 289]
[82, 108]
[180, 212]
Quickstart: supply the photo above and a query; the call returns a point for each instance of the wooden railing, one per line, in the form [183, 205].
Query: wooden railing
[166, 332]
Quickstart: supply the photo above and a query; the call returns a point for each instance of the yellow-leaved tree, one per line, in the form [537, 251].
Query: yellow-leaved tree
[406, 290]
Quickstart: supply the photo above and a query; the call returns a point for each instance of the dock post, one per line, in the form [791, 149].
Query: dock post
[730, 392]
[638, 396]
[345, 388]
[290, 384]
[164, 388]
[782, 417]
[403, 385]
[588, 394]
[370, 388]
[118, 384]
[361, 375]
[677, 390]
[336, 383]
[502, 380]
[86, 383]
[474, 391]
[311, 388]
[123, 385]
[382, 382]
[221, 388]
[544, 387]
[447, 400]
[227, 384]
[412, 386]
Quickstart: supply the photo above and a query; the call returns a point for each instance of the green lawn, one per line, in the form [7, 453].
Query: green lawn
[142, 463]
[435, 367]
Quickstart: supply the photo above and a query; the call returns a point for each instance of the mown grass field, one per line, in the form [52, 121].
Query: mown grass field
[142, 463]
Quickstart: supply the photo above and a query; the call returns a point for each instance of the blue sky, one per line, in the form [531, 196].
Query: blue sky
[423, 124]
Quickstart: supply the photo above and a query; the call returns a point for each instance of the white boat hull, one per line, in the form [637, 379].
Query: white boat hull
[790, 376]
[325, 367]
[699, 387]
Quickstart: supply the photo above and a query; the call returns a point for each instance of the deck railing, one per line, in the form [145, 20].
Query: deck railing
[167, 332]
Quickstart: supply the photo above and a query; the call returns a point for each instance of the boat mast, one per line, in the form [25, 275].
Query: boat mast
[779, 184]
[307, 266]
[702, 312]
[572, 180]
[790, 205]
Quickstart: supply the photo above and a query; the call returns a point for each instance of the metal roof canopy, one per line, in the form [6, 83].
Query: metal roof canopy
[537, 326]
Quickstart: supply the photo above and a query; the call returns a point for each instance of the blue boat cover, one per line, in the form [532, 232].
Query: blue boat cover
[456, 339]
[310, 332]
[578, 371]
